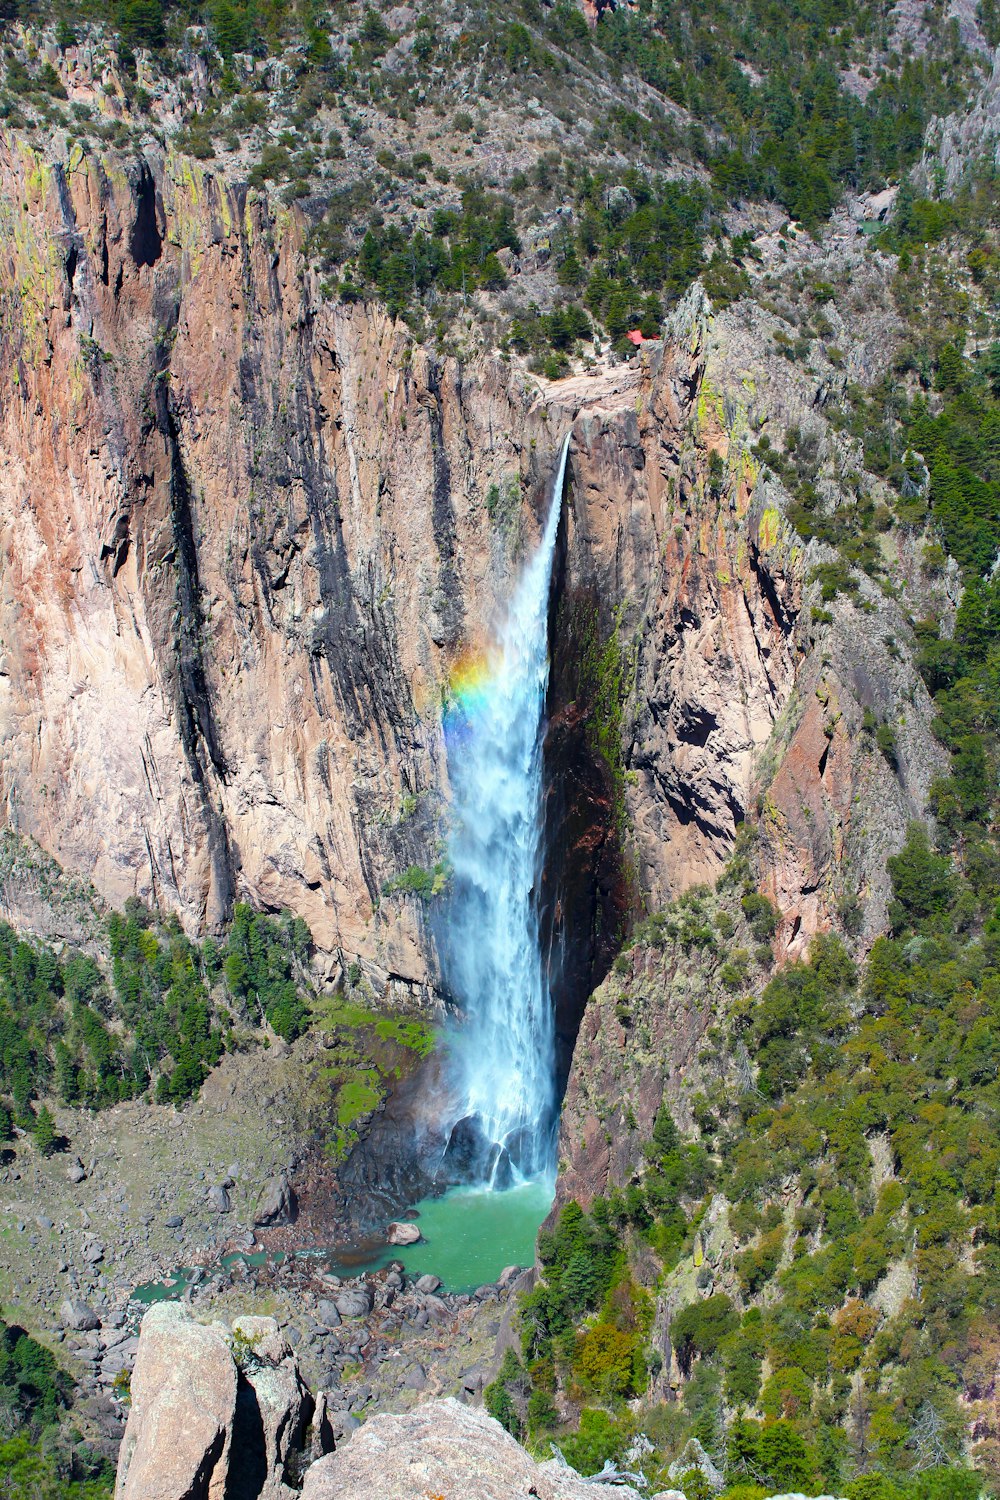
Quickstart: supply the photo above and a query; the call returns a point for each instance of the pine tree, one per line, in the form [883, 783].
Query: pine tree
[44, 1131]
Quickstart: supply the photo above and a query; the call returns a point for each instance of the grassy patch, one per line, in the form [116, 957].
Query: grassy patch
[358, 1096]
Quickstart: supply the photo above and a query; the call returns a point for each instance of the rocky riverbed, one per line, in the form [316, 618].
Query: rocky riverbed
[379, 1342]
[140, 1191]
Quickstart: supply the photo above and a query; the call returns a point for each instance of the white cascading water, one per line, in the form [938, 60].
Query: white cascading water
[505, 1055]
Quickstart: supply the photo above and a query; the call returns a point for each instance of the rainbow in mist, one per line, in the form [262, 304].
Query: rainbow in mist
[471, 685]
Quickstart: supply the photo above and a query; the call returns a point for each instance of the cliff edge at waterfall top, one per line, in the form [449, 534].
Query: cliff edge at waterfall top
[499, 642]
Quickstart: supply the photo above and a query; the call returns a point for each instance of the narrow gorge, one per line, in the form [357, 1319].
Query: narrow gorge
[498, 779]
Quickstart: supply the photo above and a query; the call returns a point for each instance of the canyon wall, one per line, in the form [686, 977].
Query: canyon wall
[245, 534]
[249, 531]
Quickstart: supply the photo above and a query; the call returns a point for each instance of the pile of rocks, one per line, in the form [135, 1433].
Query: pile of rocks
[367, 1342]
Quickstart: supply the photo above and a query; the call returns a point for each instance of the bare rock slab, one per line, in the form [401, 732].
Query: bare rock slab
[179, 1430]
[444, 1448]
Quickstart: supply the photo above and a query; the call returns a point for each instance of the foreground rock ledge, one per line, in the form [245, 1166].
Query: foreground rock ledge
[205, 1424]
[219, 1414]
[445, 1448]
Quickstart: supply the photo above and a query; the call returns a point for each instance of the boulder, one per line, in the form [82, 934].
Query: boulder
[444, 1448]
[214, 1414]
[76, 1314]
[179, 1431]
[327, 1314]
[218, 1200]
[343, 1424]
[428, 1283]
[278, 1204]
[354, 1303]
[403, 1234]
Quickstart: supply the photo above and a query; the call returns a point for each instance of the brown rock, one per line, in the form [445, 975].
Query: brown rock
[177, 1438]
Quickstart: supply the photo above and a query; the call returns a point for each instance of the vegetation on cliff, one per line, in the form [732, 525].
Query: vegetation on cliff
[827, 1240]
[659, 123]
[39, 1460]
[823, 1247]
[168, 1010]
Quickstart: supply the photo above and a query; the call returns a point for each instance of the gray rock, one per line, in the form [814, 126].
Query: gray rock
[459, 1450]
[356, 1303]
[428, 1283]
[342, 1424]
[415, 1378]
[75, 1172]
[76, 1314]
[278, 1204]
[323, 1437]
[327, 1313]
[174, 1222]
[695, 1457]
[218, 1200]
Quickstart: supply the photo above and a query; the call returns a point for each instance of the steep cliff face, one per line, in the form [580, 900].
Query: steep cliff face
[745, 696]
[247, 532]
[244, 536]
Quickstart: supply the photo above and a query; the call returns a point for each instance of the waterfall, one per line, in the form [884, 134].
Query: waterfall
[504, 1054]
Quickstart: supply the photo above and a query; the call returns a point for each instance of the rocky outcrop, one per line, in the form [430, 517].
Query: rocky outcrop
[963, 143]
[444, 1448]
[248, 533]
[218, 1413]
[245, 533]
[213, 1413]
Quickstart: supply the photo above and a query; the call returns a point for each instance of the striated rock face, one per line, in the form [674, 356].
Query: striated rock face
[246, 534]
[203, 1428]
[445, 1448]
[731, 698]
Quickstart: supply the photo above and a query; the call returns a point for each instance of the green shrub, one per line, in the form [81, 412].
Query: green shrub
[598, 1439]
[699, 1328]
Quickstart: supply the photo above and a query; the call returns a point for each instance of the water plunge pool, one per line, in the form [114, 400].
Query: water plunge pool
[470, 1235]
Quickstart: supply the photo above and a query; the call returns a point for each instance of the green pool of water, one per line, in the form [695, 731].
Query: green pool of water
[470, 1235]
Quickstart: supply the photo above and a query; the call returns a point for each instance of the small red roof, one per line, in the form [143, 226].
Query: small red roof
[635, 336]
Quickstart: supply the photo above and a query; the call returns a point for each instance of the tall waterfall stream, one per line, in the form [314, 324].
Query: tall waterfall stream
[504, 1053]
[502, 1090]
